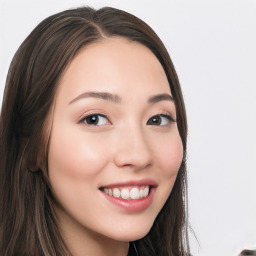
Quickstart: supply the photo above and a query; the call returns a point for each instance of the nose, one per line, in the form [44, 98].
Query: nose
[132, 150]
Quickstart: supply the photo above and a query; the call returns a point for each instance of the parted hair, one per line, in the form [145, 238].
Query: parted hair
[28, 224]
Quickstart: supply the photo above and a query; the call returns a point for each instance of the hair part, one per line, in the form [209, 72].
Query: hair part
[32, 82]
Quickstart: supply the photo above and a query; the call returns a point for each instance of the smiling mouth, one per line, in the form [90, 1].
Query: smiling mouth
[128, 193]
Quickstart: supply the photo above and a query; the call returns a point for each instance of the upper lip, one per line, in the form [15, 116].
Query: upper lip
[142, 182]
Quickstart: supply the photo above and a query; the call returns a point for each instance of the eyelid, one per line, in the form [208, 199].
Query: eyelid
[87, 115]
[168, 114]
[89, 112]
[164, 115]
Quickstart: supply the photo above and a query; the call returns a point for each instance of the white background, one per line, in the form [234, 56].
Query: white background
[213, 46]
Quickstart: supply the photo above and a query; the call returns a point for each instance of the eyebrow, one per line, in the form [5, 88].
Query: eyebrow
[117, 99]
[100, 95]
[160, 97]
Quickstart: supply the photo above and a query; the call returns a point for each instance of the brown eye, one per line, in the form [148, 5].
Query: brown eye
[160, 120]
[95, 119]
[155, 120]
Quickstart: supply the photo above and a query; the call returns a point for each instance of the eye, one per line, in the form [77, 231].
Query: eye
[96, 120]
[160, 120]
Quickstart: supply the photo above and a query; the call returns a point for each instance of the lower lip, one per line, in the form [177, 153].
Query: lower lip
[132, 205]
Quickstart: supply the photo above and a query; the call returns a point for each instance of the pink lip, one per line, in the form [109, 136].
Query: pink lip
[143, 182]
[132, 205]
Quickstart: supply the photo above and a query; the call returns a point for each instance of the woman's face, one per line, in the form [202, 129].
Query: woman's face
[115, 149]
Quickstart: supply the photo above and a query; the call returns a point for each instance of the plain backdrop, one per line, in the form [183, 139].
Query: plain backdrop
[213, 47]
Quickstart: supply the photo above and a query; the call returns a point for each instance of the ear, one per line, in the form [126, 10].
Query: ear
[33, 168]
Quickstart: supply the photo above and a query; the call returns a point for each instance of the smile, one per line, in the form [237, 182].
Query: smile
[132, 196]
[128, 193]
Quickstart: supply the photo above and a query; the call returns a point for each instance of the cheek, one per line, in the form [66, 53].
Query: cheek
[173, 158]
[73, 156]
[170, 156]
[74, 162]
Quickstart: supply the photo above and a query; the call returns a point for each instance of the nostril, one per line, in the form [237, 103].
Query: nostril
[132, 160]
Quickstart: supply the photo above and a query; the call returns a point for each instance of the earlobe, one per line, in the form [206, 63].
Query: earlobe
[33, 168]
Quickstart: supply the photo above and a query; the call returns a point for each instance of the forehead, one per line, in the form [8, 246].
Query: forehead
[116, 65]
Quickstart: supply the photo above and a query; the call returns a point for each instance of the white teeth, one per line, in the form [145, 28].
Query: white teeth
[142, 193]
[145, 191]
[116, 192]
[124, 193]
[134, 193]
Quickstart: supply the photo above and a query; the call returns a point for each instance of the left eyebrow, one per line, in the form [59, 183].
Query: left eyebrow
[160, 97]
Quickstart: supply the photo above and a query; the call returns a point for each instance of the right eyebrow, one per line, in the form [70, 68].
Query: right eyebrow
[100, 95]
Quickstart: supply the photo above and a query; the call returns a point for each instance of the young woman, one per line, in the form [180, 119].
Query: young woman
[93, 141]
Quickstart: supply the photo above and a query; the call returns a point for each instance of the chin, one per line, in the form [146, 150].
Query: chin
[131, 233]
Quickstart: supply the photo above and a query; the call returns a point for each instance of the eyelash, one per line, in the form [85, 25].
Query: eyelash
[97, 117]
[166, 116]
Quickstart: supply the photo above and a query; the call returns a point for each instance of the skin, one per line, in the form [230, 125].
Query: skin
[125, 145]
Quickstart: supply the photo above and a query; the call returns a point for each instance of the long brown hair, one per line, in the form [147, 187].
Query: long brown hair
[28, 225]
